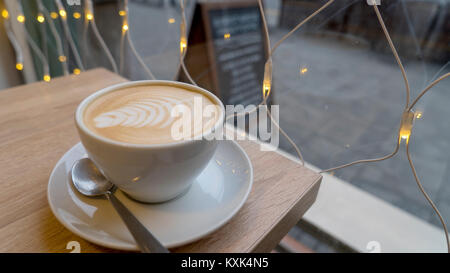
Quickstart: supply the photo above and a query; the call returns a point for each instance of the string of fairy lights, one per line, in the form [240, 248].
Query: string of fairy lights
[407, 118]
[126, 35]
[90, 21]
[44, 16]
[406, 125]
[63, 15]
[13, 40]
[183, 43]
[19, 62]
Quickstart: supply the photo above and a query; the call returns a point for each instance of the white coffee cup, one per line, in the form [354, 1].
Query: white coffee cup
[150, 172]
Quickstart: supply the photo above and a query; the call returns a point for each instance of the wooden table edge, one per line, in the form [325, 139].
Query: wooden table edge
[287, 220]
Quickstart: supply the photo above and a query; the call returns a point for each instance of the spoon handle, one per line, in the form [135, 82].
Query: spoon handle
[143, 237]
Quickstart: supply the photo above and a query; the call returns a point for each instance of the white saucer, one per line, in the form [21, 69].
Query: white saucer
[214, 198]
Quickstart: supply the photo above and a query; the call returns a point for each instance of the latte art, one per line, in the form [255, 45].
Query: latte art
[146, 114]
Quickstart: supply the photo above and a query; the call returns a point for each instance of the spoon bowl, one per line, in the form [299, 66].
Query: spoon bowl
[88, 179]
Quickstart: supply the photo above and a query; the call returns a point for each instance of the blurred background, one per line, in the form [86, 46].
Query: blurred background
[340, 91]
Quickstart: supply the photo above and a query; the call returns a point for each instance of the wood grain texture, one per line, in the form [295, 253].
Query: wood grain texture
[37, 128]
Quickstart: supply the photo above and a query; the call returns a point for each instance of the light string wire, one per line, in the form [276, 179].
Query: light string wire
[170, 20]
[13, 40]
[405, 129]
[299, 25]
[59, 44]
[183, 43]
[45, 67]
[394, 51]
[122, 38]
[267, 82]
[67, 32]
[183, 50]
[268, 66]
[416, 177]
[440, 70]
[416, 43]
[90, 21]
[126, 34]
[431, 85]
[40, 55]
[43, 32]
[87, 17]
[400, 65]
[419, 184]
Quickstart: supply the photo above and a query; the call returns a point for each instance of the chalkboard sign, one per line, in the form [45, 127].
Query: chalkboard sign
[227, 52]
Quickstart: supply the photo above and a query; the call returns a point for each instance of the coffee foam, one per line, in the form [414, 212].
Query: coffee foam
[142, 114]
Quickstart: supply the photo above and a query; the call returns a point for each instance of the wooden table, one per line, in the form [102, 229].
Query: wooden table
[37, 128]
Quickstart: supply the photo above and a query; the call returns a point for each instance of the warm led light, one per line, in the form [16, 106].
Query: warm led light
[76, 71]
[62, 58]
[19, 66]
[89, 16]
[5, 14]
[406, 125]
[226, 36]
[171, 20]
[136, 179]
[125, 27]
[267, 82]
[183, 39]
[303, 70]
[47, 78]
[40, 18]
[266, 89]
[21, 18]
[122, 13]
[418, 115]
[54, 15]
[76, 15]
[405, 136]
[62, 13]
[183, 45]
